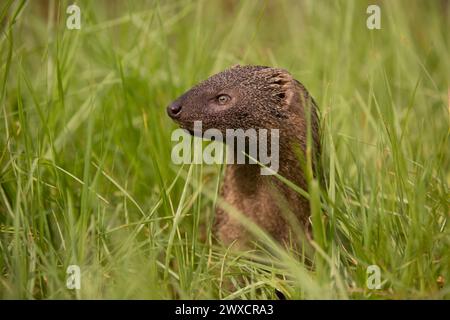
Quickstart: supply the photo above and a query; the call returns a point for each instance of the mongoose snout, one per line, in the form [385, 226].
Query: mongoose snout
[256, 97]
[174, 109]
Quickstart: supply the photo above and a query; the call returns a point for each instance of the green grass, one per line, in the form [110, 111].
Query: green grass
[85, 170]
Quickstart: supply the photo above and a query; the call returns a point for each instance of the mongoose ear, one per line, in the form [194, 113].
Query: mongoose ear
[235, 66]
[291, 96]
[283, 85]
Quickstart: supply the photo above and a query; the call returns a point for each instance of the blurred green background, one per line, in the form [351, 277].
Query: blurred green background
[85, 170]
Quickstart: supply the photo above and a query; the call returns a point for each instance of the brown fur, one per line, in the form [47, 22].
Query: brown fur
[262, 97]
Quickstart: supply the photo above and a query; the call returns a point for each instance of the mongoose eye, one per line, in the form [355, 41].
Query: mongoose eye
[223, 99]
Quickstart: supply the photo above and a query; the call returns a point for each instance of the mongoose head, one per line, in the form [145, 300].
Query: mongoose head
[241, 97]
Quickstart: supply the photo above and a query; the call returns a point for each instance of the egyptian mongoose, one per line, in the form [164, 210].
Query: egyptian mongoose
[258, 97]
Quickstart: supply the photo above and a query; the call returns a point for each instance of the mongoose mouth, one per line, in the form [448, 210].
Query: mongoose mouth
[191, 131]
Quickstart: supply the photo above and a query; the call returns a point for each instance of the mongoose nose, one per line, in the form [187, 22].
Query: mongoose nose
[174, 109]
